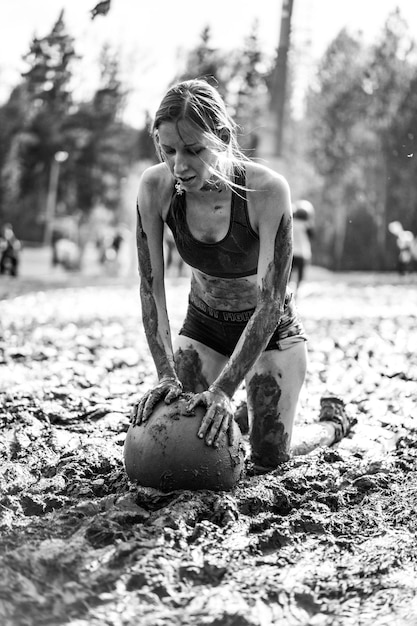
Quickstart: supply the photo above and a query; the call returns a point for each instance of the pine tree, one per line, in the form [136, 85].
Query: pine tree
[102, 147]
[250, 97]
[49, 75]
[47, 85]
[389, 80]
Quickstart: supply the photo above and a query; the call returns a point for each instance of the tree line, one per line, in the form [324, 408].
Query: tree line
[41, 120]
[352, 153]
[361, 130]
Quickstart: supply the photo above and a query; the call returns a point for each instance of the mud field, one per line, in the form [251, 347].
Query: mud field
[329, 539]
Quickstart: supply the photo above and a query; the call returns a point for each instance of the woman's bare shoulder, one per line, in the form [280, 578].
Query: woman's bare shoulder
[156, 178]
[155, 189]
[262, 178]
[268, 195]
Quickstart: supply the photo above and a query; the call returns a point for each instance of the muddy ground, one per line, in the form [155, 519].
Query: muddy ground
[329, 539]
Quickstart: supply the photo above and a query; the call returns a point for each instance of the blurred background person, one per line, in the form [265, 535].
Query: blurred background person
[10, 251]
[406, 246]
[303, 230]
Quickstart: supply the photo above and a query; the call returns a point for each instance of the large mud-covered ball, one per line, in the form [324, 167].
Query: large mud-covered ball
[166, 453]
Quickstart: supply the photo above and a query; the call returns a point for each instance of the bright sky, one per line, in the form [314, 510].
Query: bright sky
[153, 35]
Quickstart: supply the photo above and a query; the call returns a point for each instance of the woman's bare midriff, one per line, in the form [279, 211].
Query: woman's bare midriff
[224, 294]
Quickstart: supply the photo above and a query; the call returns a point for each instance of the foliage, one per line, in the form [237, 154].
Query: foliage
[361, 133]
[45, 99]
[240, 79]
[101, 146]
[41, 119]
[206, 61]
[250, 87]
[353, 154]
[146, 148]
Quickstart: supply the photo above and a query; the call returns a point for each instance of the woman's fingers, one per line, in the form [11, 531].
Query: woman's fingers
[207, 425]
[167, 390]
[214, 426]
[217, 420]
[221, 431]
[173, 394]
[152, 400]
[198, 398]
[136, 414]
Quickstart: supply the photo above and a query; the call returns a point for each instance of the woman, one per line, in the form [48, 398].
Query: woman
[9, 251]
[231, 220]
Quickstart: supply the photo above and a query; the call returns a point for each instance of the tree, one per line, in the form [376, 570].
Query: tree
[334, 108]
[45, 95]
[389, 88]
[146, 147]
[13, 116]
[402, 192]
[361, 132]
[249, 95]
[279, 96]
[206, 61]
[48, 78]
[102, 147]
[42, 120]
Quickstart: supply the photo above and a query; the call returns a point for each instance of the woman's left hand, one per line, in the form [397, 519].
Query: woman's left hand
[218, 419]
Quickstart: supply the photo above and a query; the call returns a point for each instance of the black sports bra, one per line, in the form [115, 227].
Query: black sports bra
[235, 256]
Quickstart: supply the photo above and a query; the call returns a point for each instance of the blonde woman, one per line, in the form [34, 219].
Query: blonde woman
[232, 223]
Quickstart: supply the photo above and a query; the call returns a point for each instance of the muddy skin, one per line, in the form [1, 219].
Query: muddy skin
[150, 312]
[278, 272]
[270, 304]
[189, 370]
[221, 294]
[270, 443]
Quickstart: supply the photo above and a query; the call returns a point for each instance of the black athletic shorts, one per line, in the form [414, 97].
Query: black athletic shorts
[220, 330]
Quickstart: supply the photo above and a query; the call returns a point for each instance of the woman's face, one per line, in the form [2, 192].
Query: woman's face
[187, 153]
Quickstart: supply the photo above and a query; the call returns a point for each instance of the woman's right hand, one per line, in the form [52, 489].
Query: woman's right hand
[168, 389]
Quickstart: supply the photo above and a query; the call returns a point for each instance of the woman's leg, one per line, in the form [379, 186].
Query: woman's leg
[273, 386]
[197, 365]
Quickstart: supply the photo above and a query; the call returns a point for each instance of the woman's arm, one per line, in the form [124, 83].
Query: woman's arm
[149, 237]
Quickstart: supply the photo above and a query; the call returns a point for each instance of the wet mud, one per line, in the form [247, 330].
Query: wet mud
[270, 443]
[190, 370]
[327, 540]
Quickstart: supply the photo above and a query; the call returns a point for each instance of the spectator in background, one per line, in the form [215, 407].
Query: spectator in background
[406, 245]
[10, 251]
[303, 229]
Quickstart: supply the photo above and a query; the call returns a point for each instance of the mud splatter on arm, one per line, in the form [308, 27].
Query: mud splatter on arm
[154, 314]
[275, 281]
